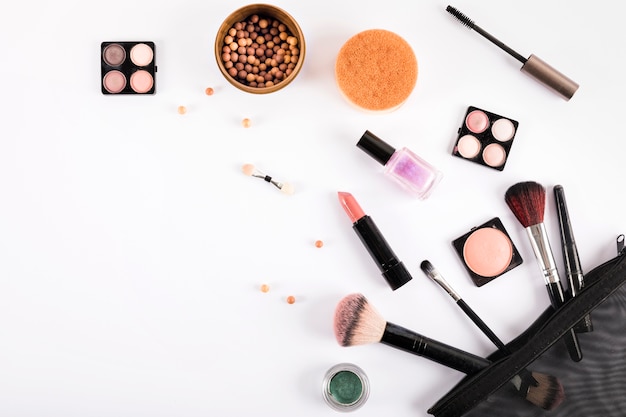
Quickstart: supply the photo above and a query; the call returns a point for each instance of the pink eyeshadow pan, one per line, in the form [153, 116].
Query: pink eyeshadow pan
[477, 121]
[468, 146]
[494, 155]
[114, 81]
[141, 81]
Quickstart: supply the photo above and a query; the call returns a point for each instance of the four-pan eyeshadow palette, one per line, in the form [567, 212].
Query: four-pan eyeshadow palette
[485, 138]
[127, 67]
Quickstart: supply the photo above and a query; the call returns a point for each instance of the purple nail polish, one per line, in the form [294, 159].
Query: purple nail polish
[404, 166]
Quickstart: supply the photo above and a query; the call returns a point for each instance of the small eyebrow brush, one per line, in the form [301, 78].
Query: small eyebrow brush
[533, 65]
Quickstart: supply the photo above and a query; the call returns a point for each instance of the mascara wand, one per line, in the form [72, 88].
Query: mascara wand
[532, 66]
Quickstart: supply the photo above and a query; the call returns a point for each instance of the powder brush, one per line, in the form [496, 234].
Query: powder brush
[527, 201]
[357, 322]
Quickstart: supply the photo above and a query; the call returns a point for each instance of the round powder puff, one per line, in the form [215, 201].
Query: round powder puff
[376, 70]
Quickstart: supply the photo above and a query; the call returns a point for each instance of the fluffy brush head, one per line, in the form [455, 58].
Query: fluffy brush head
[357, 322]
[527, 201]
[548, 394]
[466, 21]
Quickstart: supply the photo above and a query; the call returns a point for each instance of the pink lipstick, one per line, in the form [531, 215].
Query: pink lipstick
[393, 270]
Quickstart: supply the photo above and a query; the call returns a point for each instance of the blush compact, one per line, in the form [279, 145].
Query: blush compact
[487, 252]
[127, 68]
[485, 138]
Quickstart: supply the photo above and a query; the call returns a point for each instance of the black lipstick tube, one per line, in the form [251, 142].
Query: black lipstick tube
[393, 270]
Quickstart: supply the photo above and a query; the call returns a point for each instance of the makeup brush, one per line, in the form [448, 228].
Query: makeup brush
[434, 275]
[429, 270]
[527, 201]
[533, 65]
[357, 322]
[573, 270]
[252, 171]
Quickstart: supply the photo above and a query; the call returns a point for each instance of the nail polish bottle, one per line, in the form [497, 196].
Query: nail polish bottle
[404, 166]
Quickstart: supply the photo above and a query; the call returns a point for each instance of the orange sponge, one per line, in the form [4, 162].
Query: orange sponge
[376, 70]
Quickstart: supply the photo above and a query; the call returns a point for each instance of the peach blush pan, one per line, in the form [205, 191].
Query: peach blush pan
[487, 251]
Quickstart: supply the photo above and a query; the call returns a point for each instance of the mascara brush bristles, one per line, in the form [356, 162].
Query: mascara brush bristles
[465, 20]
[252, 171]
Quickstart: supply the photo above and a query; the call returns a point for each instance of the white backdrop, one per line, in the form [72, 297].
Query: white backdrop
[132, 247]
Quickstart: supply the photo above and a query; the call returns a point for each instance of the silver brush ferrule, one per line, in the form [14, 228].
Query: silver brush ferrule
[541, 246]
[438, 278]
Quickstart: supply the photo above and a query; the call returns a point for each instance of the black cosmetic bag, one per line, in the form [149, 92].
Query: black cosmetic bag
[593, 387]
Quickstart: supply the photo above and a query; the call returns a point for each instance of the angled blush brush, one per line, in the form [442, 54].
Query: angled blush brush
[532, 66]
[527, 201]
[357, 322]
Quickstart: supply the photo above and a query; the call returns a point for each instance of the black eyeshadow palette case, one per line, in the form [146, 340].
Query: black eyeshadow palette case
[128, 68]
[485, 138]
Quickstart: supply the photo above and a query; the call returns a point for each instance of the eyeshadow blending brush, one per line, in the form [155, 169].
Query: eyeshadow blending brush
[357, 322]
[434, 275]
[252, 171]
[532, 66]
[527, 201]
[573, 270]
[525, 377]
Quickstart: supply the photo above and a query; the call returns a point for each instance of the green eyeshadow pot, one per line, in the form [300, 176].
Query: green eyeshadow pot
[345, 387]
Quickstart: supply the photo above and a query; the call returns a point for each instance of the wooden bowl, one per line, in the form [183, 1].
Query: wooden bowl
[263, 10]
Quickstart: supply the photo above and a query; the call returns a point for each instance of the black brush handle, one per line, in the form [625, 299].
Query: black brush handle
[482, 326]
[573, 270]
[412, 342]
[571, 339]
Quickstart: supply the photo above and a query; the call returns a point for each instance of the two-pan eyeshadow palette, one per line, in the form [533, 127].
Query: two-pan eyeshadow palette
[127, 67]
[485, 138]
